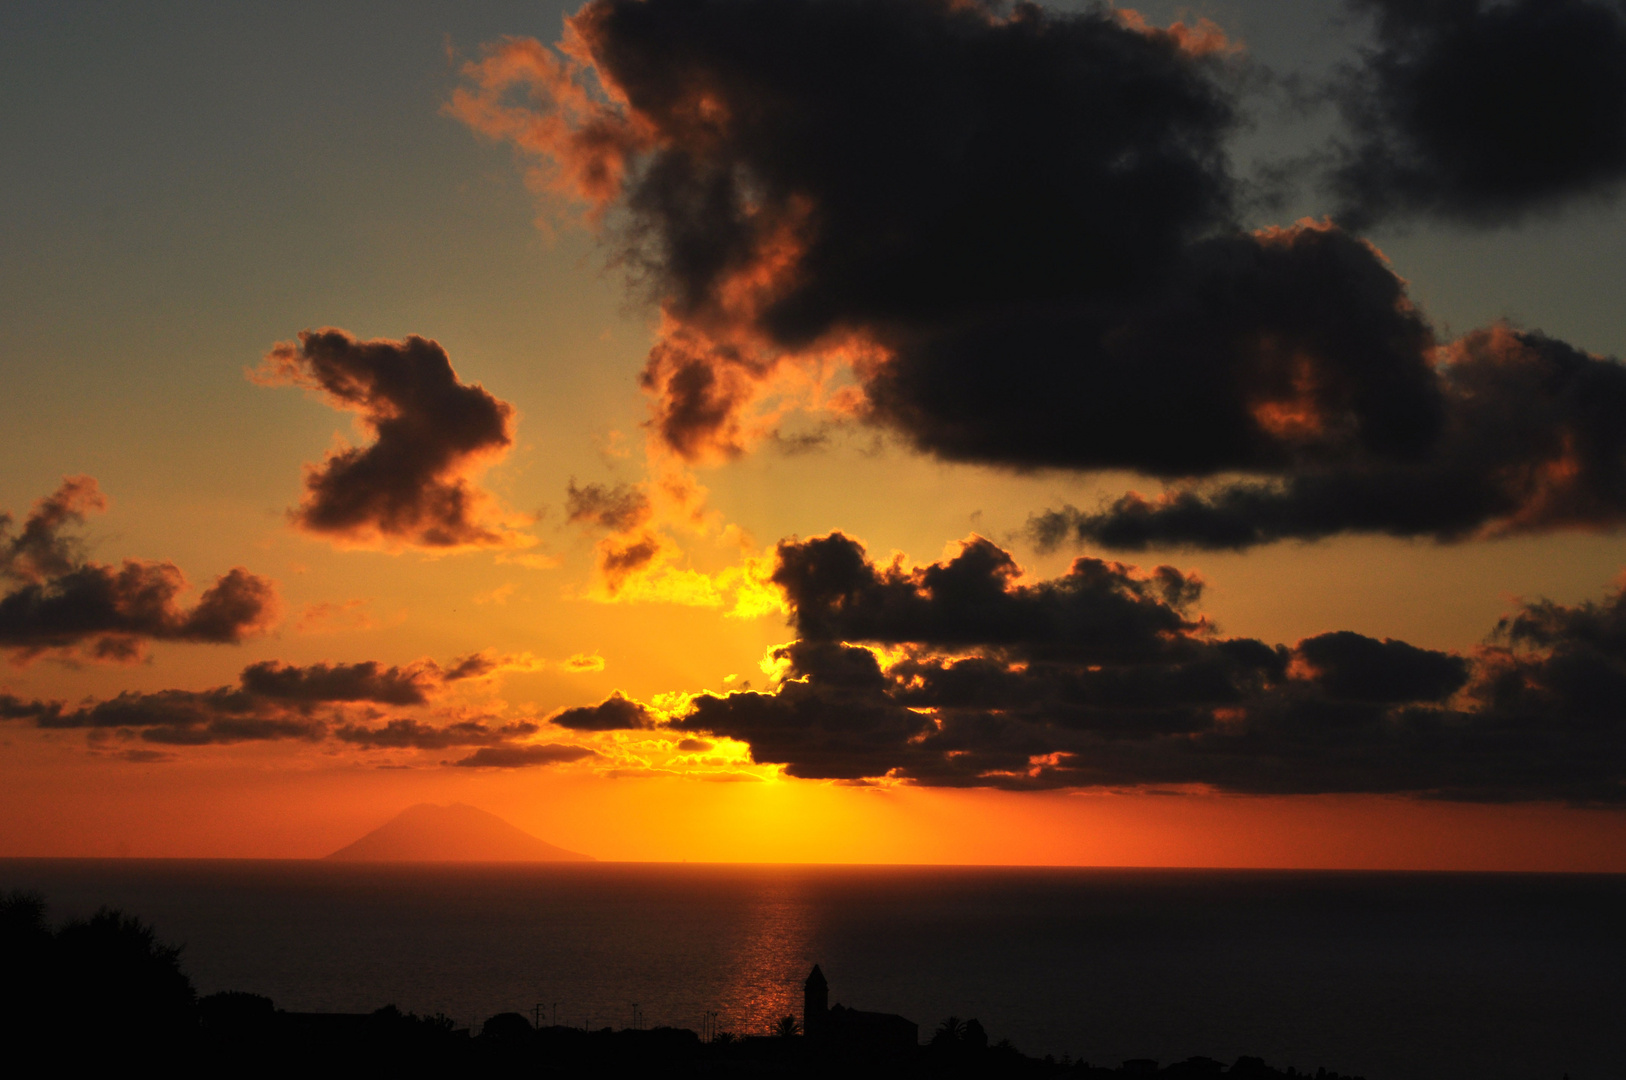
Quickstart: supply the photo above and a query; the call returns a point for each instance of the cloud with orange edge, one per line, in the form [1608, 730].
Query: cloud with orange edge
[61, 604]
[414, 486]
[638, 558]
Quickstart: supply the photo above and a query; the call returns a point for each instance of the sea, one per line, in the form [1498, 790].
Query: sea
[1392, 976]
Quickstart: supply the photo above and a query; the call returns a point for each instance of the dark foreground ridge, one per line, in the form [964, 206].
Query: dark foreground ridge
[104, 992]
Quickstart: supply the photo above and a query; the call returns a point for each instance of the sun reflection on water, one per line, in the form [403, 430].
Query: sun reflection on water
[770, 954]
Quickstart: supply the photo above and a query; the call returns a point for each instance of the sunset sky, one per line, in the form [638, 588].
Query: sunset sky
[818, 430]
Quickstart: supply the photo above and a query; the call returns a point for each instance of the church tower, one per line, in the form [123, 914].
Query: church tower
[815, 1004]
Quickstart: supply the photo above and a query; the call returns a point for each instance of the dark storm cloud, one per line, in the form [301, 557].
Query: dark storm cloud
[61, 602]
[1019, 230]
[615, 712]
[828, 167]
[525, 756]
[1483, 111]
[1533, 716]
[1534, 439]
[1256, 352]
[413, 485]
[795, 174]
[1089, 151]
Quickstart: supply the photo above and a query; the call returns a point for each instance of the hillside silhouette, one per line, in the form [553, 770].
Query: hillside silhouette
[456, 833]
[102, 995]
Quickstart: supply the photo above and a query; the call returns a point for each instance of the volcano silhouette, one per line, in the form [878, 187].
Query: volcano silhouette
[455, 833]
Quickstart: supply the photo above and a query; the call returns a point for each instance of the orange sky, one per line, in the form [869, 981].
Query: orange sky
[192, 204]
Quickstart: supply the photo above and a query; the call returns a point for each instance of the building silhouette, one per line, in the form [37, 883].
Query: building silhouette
[815, 1005]
[842, 1032]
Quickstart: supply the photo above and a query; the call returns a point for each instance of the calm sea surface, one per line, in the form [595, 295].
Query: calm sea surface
[1395, 976]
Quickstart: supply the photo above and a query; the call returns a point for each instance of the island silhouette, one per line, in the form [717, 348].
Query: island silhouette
[455, 833]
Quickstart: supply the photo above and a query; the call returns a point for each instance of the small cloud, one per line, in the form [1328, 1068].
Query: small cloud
[525, 756]
[615, 713]
[414, 484]
[328, 617]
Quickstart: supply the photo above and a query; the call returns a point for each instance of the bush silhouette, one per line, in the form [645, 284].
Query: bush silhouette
[26, 946]
[506, 1026]
[112, 966]
[96, 988]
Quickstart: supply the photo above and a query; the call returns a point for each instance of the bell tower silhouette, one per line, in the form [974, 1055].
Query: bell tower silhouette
[815, 1004]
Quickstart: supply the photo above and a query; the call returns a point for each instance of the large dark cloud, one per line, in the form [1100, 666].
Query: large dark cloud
[920, 155]
[1258, 352]
[890, 680]
[1027, 220]
[1018, 229]
[413, 485]
[60, 602]
[1534, 439]
[1483, 110]
[987, 198]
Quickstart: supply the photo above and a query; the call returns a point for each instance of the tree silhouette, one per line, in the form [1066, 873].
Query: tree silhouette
[97, 988]
[26, 946]
[786, 1028]
[113, 967]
